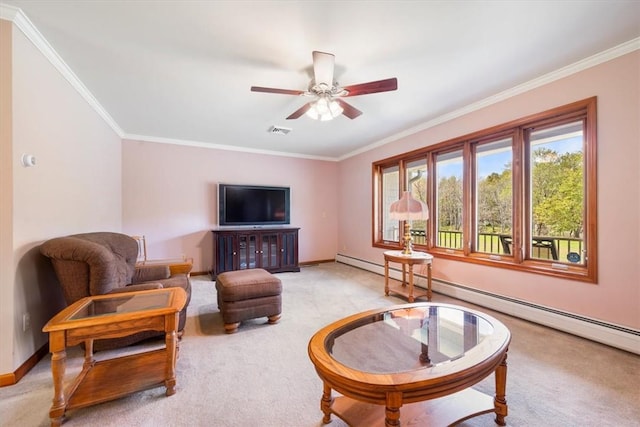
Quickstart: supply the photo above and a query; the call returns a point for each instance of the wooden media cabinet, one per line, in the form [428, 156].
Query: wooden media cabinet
[274, 249]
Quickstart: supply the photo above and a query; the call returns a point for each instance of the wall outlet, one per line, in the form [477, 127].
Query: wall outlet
[26, 322]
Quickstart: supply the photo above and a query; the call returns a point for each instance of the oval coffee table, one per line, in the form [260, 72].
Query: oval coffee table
[412, 364]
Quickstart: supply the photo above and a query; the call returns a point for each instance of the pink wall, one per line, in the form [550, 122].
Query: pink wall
[169, 194]
[6, 200]
[616, 297]
[74, 187]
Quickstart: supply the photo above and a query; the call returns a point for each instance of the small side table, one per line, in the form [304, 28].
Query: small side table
[176, 266]
[406, 288]
[112, 316]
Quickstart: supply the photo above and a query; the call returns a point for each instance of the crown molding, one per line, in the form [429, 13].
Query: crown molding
[592, 61]
[8, 13]
[23, 23]
[209, 145]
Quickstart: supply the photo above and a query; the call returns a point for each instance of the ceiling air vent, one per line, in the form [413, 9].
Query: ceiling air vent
[279, 130]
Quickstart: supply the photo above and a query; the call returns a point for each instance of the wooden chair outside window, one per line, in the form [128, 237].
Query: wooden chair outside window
[542, 247]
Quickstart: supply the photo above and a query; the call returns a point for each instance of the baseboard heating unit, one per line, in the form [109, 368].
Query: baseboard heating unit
[603, 332]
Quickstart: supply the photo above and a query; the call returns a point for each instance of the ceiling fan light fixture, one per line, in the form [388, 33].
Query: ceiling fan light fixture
[324, 109]
[335, 108]
[327, 94]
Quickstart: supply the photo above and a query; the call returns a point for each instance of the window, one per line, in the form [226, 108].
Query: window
[416, 183]
[449, 200]
[493, 179]
[556, 182]
[390, 193]
[520, 195]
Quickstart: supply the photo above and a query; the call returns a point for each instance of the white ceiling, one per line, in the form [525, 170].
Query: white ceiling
[180, 71]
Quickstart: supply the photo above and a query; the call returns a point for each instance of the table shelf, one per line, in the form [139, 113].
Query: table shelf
[403, 290]
[443, 411]
[113, 378]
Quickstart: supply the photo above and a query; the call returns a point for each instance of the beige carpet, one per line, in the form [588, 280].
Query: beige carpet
[262, 376]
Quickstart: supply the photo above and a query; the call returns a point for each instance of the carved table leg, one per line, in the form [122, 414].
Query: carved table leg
[411, 297]
[404, 274]
[386, 277]
[392, 410]
[500, 401]
[429, 294]
[58, 366]
[171, 342]
[88, 354]
[325, 403]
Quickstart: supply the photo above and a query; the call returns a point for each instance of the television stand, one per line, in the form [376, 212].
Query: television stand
[274, 249]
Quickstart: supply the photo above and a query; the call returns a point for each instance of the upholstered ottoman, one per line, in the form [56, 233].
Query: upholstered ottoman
[248, 294]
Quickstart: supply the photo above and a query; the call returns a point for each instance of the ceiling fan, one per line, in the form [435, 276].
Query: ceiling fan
[328, 95]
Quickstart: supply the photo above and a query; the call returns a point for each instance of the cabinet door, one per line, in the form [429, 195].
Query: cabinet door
[225, 253]
[269, 253]
[289, 249]
[247, 251]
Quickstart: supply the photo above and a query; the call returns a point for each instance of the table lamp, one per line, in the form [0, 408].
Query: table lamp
[407, 209]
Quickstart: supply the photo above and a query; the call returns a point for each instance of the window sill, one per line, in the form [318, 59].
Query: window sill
[546, 268]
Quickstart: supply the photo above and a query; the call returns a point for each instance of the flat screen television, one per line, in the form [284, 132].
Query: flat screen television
[253, 205]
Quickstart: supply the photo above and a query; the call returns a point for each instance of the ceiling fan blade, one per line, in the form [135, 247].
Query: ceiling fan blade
[348, 110]
[273, 90]
[300, 111]
[372, 87]
[323, 64]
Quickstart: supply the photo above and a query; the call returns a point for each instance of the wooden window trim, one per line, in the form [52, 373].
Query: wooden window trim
[585, 109]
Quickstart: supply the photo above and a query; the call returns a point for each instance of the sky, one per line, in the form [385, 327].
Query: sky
[495, 161]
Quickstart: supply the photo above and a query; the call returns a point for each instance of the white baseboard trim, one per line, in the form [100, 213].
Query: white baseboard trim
[606, 333]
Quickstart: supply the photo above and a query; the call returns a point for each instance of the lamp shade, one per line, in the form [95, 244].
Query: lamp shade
[408, 208]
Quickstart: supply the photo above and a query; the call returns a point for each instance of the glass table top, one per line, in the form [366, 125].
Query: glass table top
[408, 339]
[124, 303]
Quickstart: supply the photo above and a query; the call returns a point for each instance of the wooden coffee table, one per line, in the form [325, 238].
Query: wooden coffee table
[412, 364]
[112, 316]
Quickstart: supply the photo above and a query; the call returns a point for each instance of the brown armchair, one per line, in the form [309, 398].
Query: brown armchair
[102, 263]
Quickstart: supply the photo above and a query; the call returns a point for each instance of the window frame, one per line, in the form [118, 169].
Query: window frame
[473, 186]
[585, 110]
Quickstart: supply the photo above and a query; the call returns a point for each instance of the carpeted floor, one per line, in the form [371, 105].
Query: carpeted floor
[262, 376]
